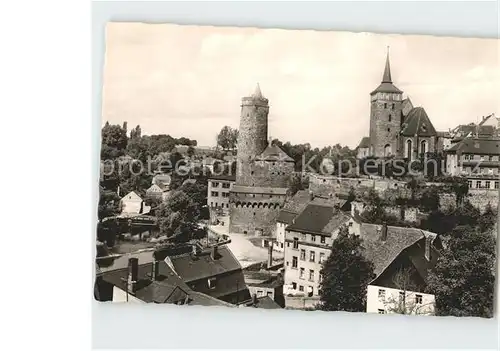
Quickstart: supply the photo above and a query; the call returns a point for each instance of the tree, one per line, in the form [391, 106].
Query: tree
[114, 141]
[296, 183]
[429, 200]
[405, 302]
[345, 275]
[178, 216]
[374, 212]
[488, 219]
[109, 204]
[227, 138]
[463, 279]
[135, 133]
[197, 192]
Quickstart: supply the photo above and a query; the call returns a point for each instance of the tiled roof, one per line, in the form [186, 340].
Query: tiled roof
[383, 253]
[407, 106]
[231, 178]
[113, 263]
[418, 123]
[476, 146]
[263, 190]
[485, 119]
[200, 299]
[473, 130]
[169, 288]
[274, 153]
[265, 302]
[297, 202]
[155, 188]
[318, 219]
[365, 143]
[133, 196]
[192, 268]
[286, 217]
[162, 178]
[443, 134]
[386, 88]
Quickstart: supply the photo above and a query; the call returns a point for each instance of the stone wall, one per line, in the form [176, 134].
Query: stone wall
[253, 220]
[385, 125]
[255, 213]
[446, 201]
[385, 187]
[267, 174]
[408, 214]
[480, 198]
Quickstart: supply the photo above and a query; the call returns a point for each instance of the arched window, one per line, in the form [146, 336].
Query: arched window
[387, 150]
[408, 149]
[423, 147]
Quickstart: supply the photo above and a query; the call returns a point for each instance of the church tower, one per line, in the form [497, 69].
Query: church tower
[252, 137]
[385, 116]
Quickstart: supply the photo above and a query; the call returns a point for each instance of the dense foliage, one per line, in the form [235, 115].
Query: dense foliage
[345, 275]
[227, 138]
[463, 280]
[178, 217]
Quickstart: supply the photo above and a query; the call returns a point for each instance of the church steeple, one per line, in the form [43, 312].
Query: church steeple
[386, 86]
[387, 71]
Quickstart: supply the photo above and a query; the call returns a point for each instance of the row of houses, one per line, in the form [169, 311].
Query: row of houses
[188, 275]
[402, 257]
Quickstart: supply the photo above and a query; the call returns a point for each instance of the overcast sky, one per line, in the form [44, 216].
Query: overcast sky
[188, 80]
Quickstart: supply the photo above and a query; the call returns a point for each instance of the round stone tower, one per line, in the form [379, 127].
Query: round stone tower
[252, 137]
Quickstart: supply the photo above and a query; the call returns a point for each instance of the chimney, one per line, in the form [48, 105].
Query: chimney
[383, 232]
[155, 270]
[213, 254]
[270, 256]
[133, 270]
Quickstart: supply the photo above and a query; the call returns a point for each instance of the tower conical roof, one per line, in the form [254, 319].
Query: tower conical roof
[387, 71]
[257, 94]
[386, 85]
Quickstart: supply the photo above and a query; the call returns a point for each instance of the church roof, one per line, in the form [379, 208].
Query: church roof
[365, 143]
[418, 123]
[386, 86]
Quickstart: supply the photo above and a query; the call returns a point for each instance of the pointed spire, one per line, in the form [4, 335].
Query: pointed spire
[387, 71]
[257, 94]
